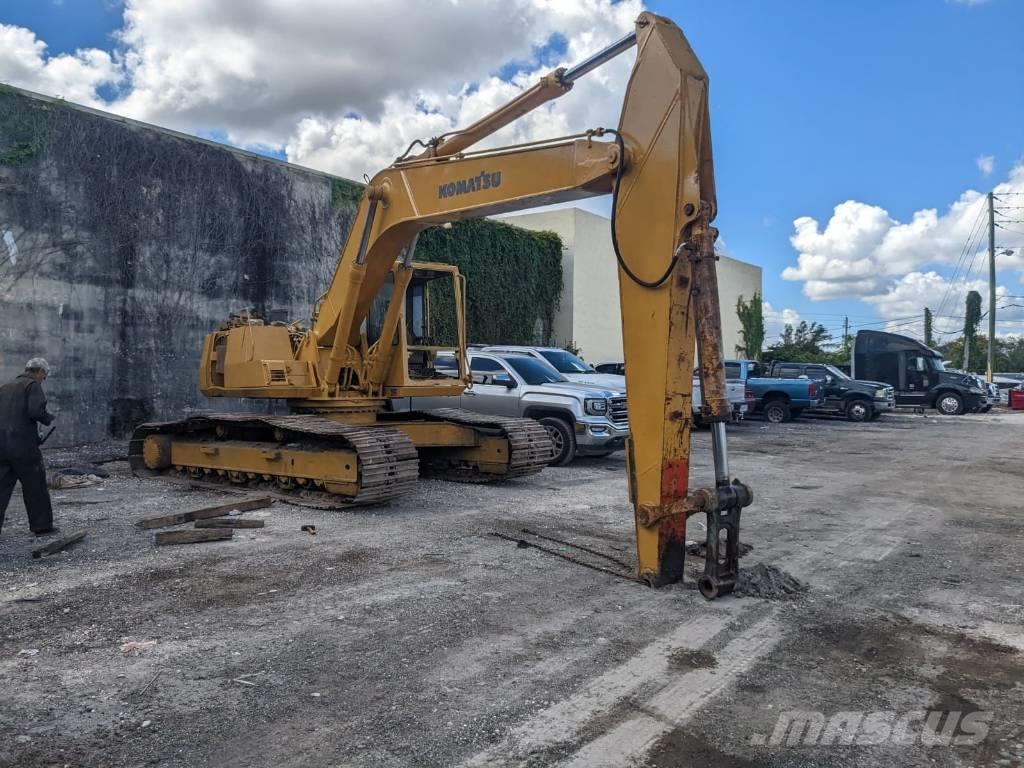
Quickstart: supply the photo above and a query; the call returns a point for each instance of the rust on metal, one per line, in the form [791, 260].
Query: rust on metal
[707, 312]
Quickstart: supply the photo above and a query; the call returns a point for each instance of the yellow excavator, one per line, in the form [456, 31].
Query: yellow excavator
[370, 339]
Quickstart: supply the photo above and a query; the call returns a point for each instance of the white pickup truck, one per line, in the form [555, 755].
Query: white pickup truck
[736, 390]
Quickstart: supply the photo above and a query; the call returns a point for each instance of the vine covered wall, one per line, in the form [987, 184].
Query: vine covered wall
[123, 245]
[513, 276]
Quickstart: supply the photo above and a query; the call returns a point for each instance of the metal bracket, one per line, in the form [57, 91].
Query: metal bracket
[722, 558]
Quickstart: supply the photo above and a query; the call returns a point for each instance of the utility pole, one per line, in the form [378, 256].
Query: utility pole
[991, 284]
[846, 333]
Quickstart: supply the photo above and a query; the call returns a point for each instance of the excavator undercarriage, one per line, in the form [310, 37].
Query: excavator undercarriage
[312, 460]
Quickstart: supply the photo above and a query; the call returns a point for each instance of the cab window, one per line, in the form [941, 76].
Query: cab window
[485, 365]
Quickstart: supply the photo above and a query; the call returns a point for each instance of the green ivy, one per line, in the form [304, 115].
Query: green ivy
[345, 193]
[513, 276]
[24, 127]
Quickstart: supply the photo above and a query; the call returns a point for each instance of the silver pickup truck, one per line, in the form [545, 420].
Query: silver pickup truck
[581, 419]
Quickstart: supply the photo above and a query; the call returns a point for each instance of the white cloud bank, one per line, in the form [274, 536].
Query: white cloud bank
[862, 252]
[341, 85]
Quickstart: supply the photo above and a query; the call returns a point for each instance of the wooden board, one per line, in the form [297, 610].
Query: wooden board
[193, 536]
[243, 505]
[230, 522]
[58, 545]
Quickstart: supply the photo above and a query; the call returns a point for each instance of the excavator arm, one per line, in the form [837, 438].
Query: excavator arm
[657, 165]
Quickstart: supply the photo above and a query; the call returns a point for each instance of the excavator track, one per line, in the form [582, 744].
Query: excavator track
[388, 464]
[530, 448]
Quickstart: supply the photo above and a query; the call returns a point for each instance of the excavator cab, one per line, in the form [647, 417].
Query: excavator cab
[431, 321]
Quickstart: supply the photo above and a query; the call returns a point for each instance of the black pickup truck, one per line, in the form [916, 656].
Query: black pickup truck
[855, 399]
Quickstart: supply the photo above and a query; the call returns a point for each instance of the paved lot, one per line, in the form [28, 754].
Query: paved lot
[410, 635]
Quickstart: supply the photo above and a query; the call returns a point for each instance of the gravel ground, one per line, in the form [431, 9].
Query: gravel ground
[410, 635]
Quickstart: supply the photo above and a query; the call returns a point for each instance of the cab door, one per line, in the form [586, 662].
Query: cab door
[834, 390]
[495, 389]
[915, 379]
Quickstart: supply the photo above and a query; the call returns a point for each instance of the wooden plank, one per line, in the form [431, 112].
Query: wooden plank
[192, 536]
[244, 505]
[58, 545]
[230, 522]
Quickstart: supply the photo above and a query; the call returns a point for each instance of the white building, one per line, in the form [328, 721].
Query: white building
[588, 314]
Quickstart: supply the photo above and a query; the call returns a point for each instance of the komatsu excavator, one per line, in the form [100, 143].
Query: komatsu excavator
[341, 442]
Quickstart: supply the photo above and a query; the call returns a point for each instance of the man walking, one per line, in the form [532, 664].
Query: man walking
[22, 407]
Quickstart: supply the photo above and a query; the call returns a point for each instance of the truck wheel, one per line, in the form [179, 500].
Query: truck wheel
[949, 404]
[860, 410]
[562, 438]
[777, 411]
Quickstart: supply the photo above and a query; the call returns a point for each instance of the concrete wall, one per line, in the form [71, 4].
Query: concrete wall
[131, 244]
[589, 313]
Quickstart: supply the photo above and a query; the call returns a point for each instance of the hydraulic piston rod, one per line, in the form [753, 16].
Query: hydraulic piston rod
[573, 74]
[551, 86]
[721, 560]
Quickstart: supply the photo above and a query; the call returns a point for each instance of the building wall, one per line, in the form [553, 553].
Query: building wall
[589, 314]
[131, 243]
[735, 278]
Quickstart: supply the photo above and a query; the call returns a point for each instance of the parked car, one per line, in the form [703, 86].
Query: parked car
[778, 399]
[565, 362]
[916, 372]
[581, 419]
[743, 401]
[855, 399]
[615, 368]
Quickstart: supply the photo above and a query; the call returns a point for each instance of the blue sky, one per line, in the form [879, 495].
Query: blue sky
[889, 104]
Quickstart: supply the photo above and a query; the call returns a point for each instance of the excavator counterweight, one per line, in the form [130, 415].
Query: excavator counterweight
[370, 342]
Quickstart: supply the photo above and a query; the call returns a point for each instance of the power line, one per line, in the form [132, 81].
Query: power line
[974, 233]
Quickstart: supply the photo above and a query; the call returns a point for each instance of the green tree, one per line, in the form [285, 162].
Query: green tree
[751, 316]
[804, 343]
[972, 316]
[929, 340]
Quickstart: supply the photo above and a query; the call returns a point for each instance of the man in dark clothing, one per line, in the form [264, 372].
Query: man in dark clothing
[22, 407]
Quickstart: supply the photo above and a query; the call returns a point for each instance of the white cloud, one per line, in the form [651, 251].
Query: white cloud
[75, 77]
[863, 252]
[776, 320]
[986, 164]
[900, 268]
[342, 85]
[904, 302]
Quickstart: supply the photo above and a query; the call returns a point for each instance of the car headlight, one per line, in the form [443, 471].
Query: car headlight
[882, 394]
[596, 406]
[976, 391]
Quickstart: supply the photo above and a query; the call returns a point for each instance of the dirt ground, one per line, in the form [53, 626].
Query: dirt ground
[410, 635]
